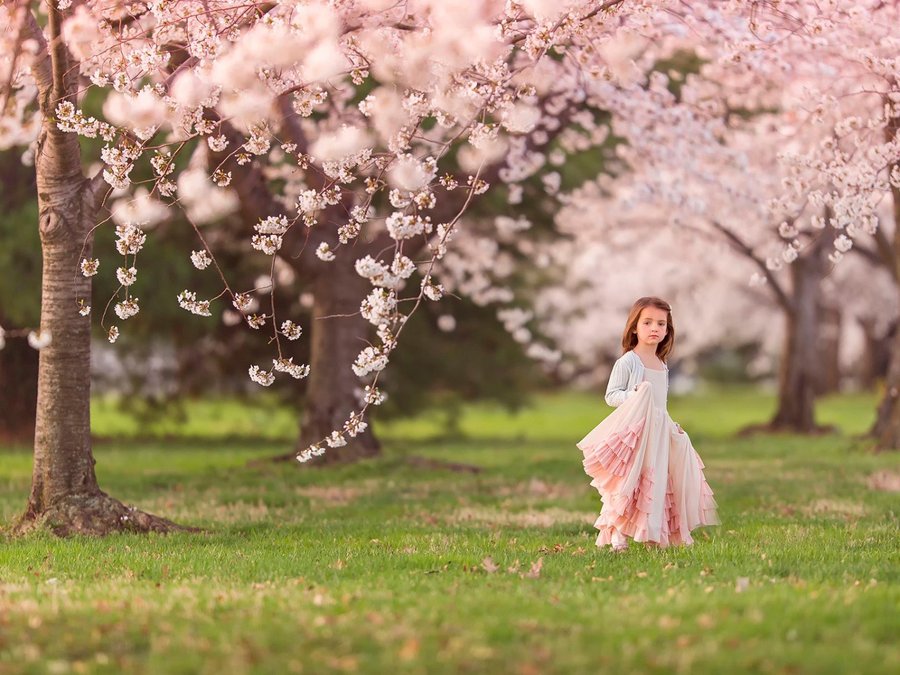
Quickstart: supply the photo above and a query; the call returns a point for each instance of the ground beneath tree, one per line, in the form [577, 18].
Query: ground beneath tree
[95, 515]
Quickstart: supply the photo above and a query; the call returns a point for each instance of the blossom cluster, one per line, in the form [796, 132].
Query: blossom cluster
[337, 110]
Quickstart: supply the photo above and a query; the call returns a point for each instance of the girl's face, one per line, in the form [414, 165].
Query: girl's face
[652, 326]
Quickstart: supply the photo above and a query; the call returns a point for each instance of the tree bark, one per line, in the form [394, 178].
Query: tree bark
[65, 496]
[875, 360]
[829, 348]
[339, 333]
[801, 360]
[886, 430]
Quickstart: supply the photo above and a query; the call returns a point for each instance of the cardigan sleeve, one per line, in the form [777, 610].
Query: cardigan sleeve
[617, 389]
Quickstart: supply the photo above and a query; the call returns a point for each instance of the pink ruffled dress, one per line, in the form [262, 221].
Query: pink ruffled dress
[648, 474]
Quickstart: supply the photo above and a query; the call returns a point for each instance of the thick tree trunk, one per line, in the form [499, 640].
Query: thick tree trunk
[339, 333]
[18, 389]
[65, 496]
[800, 363]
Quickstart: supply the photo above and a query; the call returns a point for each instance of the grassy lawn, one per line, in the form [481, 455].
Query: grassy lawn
[387, 567]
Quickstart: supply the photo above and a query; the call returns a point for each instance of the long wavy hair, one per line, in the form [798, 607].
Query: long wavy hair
[629, 337]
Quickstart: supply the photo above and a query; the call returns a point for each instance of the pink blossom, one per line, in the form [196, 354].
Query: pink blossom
[135, 111]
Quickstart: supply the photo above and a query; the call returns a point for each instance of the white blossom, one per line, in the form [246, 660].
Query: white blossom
[370, 359]
[288, 366]
[261, 377]
[90, 267]
[270, 232]
[291, 330]
[127, 308]
[314, 450]
[39, 339]
[379, 306]
[432, 291]
[256, 321]
[324, 252]
[131, 239]
[217, 143]
[405, 226]
[266, 243]
[245, 302]
[127, 276]
[402, 266]
[188, 300]
[355, 425]
[843, 243]
[201, 259]
[374, 396]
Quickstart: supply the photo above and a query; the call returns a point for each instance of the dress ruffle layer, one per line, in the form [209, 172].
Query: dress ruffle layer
[648, 474]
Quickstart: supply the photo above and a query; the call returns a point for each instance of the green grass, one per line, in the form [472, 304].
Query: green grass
[381, 566]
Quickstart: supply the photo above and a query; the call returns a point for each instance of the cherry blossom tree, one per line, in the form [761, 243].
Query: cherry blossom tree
[326, 127]
[64, 486]
[831, 68]
[351, 138]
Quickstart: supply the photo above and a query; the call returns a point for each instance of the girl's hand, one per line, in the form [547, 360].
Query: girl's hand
[678, 426]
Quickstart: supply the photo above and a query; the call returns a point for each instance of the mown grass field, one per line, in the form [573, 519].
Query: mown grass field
[387, 567]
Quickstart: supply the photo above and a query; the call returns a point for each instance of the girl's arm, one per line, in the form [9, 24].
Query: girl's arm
[617, 389]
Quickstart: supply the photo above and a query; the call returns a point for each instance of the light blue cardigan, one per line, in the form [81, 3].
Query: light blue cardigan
[626, 375]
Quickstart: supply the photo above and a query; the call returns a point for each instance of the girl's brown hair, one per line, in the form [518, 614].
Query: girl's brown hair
[629, 337]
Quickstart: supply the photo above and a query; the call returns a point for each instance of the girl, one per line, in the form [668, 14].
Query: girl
[642, 463]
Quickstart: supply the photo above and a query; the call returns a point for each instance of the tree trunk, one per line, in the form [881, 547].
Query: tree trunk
[886, 429]
[875, 358]
[887, 425]
[829, 348]
[65, 496]
[339, 333]
[800, 363]
[18, 389]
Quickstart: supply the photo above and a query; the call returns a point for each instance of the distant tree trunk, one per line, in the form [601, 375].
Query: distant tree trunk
[797, 376]
[829, 348]
[65, 495]
[18, 389]
[887, 425]
[876, 354]
[339, 333]
[801, 363]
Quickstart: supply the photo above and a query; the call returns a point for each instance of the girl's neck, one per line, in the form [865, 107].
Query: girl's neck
[647, 355]
[646, 352]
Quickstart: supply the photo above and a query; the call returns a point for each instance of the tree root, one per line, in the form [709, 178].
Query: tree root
[96, 515]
